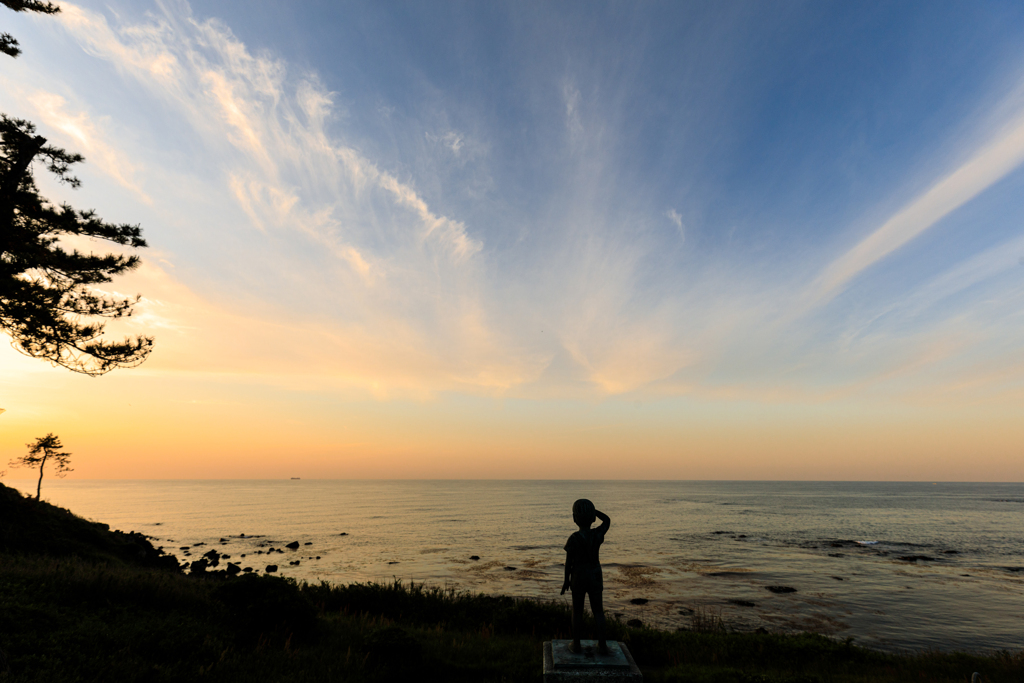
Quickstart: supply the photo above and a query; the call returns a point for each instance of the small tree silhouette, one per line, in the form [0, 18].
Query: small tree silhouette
[45, 448]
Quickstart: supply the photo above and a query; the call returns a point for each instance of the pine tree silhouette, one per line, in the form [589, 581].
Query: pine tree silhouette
[47, 293]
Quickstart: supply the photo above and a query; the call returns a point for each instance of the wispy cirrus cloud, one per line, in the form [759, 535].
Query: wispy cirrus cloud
[353, 253]
[229, 94]
[402, 279]
[677, 220]
[83, 134]
[1001, 155]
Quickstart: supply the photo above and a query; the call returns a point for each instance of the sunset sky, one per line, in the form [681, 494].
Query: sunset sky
[675, 240]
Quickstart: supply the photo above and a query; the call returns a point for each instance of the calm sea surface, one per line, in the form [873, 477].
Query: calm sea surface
[892, 565]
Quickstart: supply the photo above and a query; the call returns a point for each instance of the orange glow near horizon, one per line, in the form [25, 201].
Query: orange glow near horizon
[228, 396]
[140, 425]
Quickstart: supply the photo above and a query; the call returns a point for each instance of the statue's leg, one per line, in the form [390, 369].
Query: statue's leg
[597, 607]
[577, 618]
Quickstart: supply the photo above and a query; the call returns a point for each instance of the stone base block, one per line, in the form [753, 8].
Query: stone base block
[563, 666]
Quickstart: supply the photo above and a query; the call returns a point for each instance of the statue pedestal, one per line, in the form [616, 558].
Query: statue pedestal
[563, 666]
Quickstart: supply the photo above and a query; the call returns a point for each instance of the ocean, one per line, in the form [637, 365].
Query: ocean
[894, 566]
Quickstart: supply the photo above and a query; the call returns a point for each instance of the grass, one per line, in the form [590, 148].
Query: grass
[112, 611]
[707, 620]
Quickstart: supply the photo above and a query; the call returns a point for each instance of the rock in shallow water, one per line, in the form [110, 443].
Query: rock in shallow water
[781, 589]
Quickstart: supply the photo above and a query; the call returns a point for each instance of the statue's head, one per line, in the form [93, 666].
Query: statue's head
[583, 513]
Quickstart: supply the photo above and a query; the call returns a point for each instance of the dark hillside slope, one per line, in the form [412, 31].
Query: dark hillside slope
[32, 527]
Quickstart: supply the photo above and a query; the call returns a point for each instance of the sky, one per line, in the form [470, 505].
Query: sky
[541, 240]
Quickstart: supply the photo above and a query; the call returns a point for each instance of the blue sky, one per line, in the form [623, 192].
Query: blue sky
[567, 204]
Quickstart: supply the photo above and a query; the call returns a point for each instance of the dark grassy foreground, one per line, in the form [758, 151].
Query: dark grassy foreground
[81, 603]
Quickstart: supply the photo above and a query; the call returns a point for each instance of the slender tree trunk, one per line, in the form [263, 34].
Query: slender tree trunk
[39, 486]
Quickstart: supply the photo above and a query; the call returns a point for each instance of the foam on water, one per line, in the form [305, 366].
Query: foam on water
[944, 568]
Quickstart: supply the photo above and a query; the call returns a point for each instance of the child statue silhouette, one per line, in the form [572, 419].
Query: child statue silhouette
[583, 570]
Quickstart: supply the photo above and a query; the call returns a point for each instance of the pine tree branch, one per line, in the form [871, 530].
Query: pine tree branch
[8, 45]
[46, 291]
[31, 6]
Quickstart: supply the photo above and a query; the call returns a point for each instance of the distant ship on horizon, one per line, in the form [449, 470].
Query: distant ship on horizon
[296, 477]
